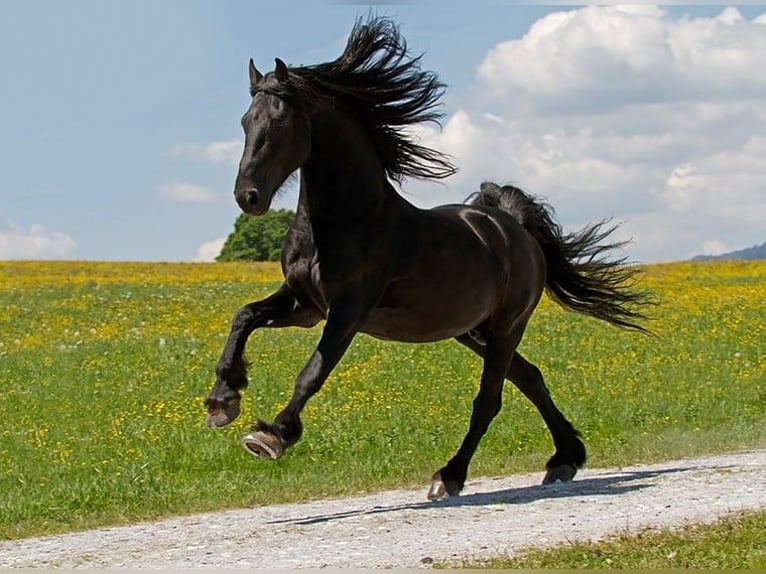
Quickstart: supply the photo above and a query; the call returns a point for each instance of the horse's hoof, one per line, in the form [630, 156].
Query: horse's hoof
[220, 414]
[441, 489]
[438, 490]
[563, 473]
[263, 445]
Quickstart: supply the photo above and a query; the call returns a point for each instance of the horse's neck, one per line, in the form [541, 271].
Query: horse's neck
[343, 178]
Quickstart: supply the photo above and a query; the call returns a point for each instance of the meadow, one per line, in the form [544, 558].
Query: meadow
[104, 368]
[735, 542]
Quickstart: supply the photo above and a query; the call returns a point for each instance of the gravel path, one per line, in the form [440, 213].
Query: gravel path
[400, 529]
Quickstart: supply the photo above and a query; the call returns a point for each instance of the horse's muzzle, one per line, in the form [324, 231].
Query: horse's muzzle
[252, 201]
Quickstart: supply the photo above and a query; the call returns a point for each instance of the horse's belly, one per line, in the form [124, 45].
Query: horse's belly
[393, 327]
[424, 324]
[438, 303]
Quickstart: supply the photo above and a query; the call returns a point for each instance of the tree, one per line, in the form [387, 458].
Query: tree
[257, 238]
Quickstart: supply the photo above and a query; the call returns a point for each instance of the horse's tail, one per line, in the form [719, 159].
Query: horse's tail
[579, 276]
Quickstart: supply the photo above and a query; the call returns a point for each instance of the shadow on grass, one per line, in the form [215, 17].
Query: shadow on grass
[610, 485]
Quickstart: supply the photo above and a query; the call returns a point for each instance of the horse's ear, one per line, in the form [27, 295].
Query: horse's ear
[281, 70]
[255, 76]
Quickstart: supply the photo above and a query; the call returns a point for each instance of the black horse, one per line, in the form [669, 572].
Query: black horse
[361, 257]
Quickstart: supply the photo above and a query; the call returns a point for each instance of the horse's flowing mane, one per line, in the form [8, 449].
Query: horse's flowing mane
[386, 90]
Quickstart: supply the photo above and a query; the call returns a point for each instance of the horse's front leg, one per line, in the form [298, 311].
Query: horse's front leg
[281, 309]
[271, 440]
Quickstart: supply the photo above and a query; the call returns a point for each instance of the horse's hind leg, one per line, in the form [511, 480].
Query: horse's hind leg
[570, 451]
[449, 480]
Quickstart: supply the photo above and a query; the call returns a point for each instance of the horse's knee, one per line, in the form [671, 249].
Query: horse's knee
[243, 317]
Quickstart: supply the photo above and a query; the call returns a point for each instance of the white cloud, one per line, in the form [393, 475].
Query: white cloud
[186, 193]
[714, 247]
[493, 118]
[220, 153]
[730, 15]
[599, 57]
[209, 250]
[726, 186]
[625, 113]
[36, 242]
[684, 187]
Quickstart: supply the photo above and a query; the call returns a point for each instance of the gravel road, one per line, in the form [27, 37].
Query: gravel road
[401, 529]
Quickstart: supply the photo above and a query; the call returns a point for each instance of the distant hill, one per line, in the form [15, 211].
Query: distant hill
[754, 252]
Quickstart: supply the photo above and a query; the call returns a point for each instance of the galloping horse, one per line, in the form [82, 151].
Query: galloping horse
[361, 257]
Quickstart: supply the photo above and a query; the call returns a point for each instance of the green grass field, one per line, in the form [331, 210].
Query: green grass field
[104, 368]
[734, 542]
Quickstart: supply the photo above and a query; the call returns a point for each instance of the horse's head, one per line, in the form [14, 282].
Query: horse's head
[277, 140]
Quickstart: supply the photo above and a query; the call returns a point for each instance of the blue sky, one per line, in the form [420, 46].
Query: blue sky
[120, 120]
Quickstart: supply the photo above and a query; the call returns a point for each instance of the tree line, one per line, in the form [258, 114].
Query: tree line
[257, 238]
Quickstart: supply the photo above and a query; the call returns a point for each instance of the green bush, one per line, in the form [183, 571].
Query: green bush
[257, 238]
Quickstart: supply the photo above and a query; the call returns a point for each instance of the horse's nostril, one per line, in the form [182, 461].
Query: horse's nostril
[251, 200]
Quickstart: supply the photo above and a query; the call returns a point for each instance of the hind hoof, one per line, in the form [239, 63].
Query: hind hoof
[441, 489]
[563, 473]
[438, 491]
[263, 445]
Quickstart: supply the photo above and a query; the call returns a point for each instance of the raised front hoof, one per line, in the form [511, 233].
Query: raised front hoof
[562, 473]
[443, 488]
[263, 445]
[220, 413]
